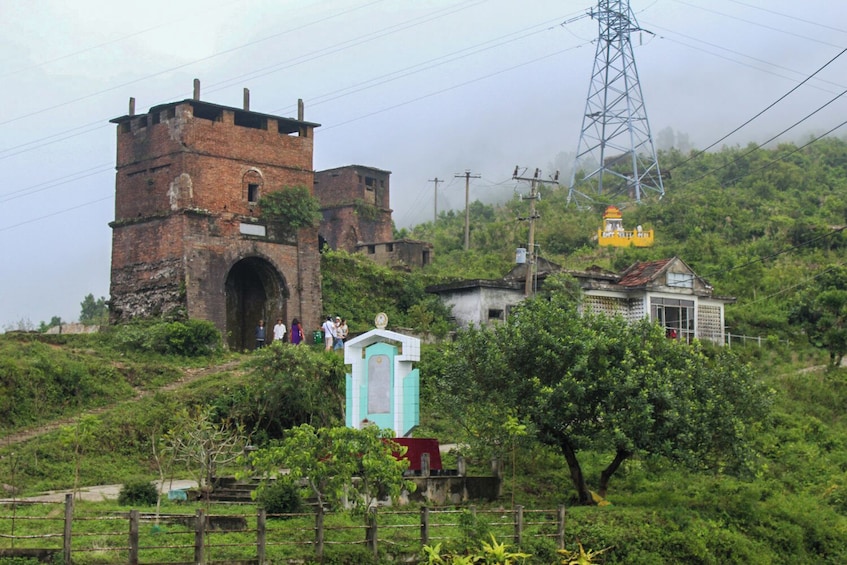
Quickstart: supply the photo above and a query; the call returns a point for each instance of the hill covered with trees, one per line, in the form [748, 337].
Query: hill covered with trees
[763, 225]
[759, 224]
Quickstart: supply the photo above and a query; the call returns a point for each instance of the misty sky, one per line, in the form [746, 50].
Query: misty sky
[423, 88]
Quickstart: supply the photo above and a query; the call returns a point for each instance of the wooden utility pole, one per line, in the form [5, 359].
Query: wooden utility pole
[468, 178]
[436, 180]
[533, 196]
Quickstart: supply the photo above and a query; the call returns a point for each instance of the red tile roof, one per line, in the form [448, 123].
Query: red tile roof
[642, 273]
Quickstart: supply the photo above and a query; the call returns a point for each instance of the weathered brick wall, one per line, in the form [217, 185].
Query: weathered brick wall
[344, 185]
[188, 162]
[147, 268]
[342, 193]
[181, 199]
[344, 228]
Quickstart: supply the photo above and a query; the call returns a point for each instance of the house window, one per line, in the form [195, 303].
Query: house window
[675, 316]
[371, 249]
[495, 314]
[252, 193]
[389, 247]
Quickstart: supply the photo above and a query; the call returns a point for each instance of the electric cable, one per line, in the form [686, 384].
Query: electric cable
[31, 220]
[182, 66]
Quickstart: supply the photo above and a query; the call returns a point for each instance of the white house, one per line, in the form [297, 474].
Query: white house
[667, 291]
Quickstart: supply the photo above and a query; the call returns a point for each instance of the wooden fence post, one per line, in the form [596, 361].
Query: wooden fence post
[560, 520]
[199, 533]
[424, 526]
[260, 536]
[518, 524]
[371, 531]
[319, 533]
[425, 465]
[133, 537]
[69, 517]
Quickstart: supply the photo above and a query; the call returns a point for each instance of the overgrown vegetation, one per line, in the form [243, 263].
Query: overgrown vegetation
[293, 207]
[759, 224]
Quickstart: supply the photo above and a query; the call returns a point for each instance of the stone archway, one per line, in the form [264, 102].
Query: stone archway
[255, 291]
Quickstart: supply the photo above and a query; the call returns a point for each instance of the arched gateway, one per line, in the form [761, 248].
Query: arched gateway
[255, 291]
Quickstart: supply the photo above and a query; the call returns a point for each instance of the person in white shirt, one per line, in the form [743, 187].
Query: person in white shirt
[329, 333]
[279, 330]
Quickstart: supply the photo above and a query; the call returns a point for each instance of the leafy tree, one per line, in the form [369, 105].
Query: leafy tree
[54, 321]
[595, 382]
[293, 206]
[287, 386]
[821, 311]
[95, 312]
[328, 459]
[203, 444]
[79, 437]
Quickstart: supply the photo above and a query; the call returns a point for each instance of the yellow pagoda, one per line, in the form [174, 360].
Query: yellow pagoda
[612, 233]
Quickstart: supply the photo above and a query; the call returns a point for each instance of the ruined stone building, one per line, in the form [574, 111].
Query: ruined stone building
[357, 217]
[187, 237]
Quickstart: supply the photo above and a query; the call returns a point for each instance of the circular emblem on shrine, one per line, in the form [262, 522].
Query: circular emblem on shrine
[381, 320]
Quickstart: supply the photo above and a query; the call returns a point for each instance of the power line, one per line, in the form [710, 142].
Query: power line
[29, 146]
[759, 146]
[792, 18]
[768, 107]
[188, 64]
[758, 24]
[89, 203]
[423, 66]
[447, 89]
[46, 185]
[738, 53]
[341, 46]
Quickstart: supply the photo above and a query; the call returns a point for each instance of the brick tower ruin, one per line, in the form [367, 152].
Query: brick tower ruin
[187, 238]
[354, 204]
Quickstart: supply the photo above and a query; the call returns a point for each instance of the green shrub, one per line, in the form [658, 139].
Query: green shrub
[280, 497]
[188, 338]
[143, 493]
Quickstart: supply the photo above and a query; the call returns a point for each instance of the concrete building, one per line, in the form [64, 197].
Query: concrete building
[187, 239]
[667, 292]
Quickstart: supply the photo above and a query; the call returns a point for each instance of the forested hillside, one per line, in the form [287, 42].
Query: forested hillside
[758, 224]
[765, 226]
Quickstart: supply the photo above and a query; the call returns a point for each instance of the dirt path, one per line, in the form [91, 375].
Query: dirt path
[189, 376]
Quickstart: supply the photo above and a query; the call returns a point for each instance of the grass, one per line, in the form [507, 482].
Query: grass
[793, 505]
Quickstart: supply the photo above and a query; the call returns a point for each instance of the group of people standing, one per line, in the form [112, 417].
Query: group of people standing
[335, 332]
[296, 335]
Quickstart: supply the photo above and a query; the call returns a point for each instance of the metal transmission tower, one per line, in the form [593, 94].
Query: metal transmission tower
[615, 152]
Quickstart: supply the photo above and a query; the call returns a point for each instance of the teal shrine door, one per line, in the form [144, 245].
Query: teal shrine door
[378, 384]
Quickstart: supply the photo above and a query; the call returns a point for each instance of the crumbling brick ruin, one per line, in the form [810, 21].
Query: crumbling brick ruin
[357, 217]
[187, 238]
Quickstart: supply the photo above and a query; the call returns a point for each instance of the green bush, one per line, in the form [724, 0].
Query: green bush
[280, 497]
[189, 338]
[143, 493]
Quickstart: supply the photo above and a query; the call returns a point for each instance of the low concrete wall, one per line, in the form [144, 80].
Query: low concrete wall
[452, 490]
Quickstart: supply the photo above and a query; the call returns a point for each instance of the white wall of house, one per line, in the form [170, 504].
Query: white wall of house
[481, 306]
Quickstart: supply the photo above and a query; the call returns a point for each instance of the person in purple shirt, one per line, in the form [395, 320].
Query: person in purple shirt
[296, 332]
